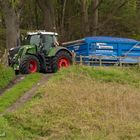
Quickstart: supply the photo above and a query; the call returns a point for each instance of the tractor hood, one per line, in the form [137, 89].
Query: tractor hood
[15, 50]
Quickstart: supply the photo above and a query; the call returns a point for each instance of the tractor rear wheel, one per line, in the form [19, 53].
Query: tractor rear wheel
[62, 59]
[29, 64]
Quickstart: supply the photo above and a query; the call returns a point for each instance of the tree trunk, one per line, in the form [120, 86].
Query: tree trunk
[85, 17]
[63, 18]
[12, 24]
[95, 17]
[48, 14]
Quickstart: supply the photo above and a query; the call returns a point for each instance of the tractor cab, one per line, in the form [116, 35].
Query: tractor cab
[35, 38]
[44, 40]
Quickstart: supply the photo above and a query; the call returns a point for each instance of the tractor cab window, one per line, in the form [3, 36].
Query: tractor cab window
[47, 41]
[35, 40]
[32, 40]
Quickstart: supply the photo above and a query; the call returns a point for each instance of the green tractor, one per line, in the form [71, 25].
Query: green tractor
[40, 53]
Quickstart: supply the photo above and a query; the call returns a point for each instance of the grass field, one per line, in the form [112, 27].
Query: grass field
[6, 75]
[82, 103]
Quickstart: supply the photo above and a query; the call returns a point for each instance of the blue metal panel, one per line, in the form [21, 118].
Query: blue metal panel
[107, 46]
[110, 39]
[79, 49]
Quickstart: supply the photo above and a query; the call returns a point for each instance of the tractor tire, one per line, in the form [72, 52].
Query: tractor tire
[62, 59]
[29, 64]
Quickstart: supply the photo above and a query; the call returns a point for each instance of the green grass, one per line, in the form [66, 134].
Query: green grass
[126, 75]
[18, 90]
[7, 132]
[83, 103]
[6, 75]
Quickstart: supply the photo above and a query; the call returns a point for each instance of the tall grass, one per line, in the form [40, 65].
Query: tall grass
[84, 103]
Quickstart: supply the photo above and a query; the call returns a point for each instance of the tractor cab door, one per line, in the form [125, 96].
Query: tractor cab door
[47, 41]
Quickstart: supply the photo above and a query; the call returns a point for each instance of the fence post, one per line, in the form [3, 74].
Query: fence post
[139, 62]
[89, 61]
[120, 62]
[92, 63]
[74, 58]
[81, 60]
[100, 60]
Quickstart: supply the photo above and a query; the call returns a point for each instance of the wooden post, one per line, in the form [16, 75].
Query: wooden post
[92, 61]
[100, 60]
[139, 62]
[81, 60]
[120, 62]
[74, 58]
[89, 61]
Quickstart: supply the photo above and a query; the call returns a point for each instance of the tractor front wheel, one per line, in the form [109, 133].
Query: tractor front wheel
[29, 64]
[62, 59]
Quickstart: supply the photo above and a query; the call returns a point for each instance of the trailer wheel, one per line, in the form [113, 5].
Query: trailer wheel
[62, 59]
[29, 64]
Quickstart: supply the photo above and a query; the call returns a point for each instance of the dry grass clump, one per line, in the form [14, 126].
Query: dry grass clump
[81, 107]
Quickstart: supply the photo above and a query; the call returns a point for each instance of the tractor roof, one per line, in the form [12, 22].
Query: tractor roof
[42, 32]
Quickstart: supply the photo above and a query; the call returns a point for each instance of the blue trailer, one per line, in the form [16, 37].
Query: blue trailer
[111, 49]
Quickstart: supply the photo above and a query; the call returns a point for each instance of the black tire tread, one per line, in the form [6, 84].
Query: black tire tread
[24, 64]
[55, 59]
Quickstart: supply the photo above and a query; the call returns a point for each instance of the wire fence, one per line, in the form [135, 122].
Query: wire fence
[93, 60]
[106, 60]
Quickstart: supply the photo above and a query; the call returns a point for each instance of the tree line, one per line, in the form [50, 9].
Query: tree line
[72, 19]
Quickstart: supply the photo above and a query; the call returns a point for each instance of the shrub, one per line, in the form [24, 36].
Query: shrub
[6, 75]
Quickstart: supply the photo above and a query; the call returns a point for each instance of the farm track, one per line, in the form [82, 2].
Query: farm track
[12, 83]
[28, 95]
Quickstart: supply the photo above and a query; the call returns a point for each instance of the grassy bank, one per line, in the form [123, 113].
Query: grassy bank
[11, 95]
[83, 103]
[6, 75]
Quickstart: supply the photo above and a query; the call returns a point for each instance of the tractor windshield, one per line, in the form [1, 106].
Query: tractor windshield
[31, 40]
[45, 39]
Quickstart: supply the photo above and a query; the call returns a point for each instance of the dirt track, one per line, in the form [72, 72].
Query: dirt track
[28, 95]
[12, 83]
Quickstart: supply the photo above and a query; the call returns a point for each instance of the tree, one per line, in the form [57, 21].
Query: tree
[85, 6]
[95, 16]
[47, 9]
[12, 10]
[63, 17]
